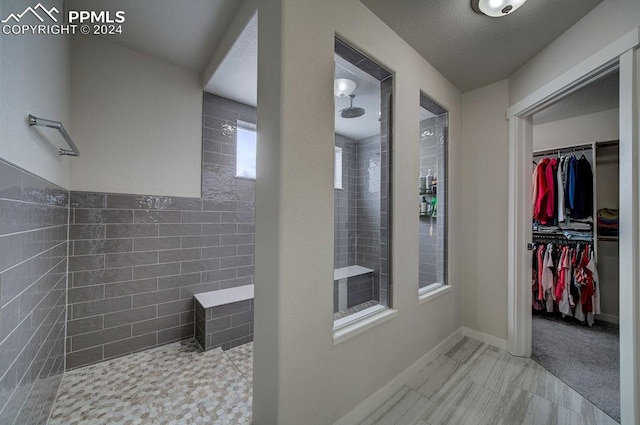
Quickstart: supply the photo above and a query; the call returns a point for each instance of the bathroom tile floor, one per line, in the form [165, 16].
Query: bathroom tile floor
[173, 384]
[476, 384]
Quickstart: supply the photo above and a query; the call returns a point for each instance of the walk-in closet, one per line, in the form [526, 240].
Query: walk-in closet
[574, 254]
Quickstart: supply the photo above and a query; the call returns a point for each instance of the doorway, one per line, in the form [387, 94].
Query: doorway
[622, 55]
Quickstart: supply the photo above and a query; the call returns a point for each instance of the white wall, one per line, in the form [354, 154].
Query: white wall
[607, 22]
[484, 155]
[300, 375]
[34, 78]
[137, 121]
[599, 126]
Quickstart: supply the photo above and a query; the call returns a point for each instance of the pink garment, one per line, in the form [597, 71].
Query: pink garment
[550, 204]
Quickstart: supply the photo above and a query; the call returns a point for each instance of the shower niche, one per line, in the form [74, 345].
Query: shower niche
[363, 93]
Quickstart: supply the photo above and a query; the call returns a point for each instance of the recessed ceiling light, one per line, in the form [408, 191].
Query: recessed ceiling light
[496, 8]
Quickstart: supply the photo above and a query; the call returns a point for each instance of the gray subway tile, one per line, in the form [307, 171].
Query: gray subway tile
[101, 246]
[237, 217]
[145, 202]
[234, 283]
[101, 216]
[86, 231]
[179, 255]
[238, 261]
[236, 239]
[200, 217]
[108, 305]
[151, 244]
[210, 205]
[200, 241]
[127, 317]
[84, 357]
[131, 230]
[180, 229]
[37, 190]
[87, 324]
[218, 275]
[218, 252]
[96, 277]
[10, 181]
[130, 345]
[86, 293]
[156, 270]
[98, 338]
[175, 334]
[219, 228]
[187, 292]
[155, 325]
[199, 265]
[228, 335]
[87, 200]
[131, 287]
[218, 324]
[154, 216]
[175, 307]
[242, 318]
[86, 262]
[228, 309]
[131, 259]
[179, 280]
[157, 297]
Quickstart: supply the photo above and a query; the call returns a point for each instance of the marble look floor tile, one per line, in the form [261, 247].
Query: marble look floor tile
[464, 350]
[402, 403]
[497, 370]
[525, 408]
[465, 403]
[175, 383]
[433, 377]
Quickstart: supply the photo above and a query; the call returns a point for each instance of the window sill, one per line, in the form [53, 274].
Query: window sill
[432, 291]
[245, 178]
[356, 328]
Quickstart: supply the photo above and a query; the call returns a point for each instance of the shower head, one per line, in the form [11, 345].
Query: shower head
[351, 111]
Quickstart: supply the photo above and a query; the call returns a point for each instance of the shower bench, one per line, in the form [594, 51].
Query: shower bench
[224, 318]
[341, 278]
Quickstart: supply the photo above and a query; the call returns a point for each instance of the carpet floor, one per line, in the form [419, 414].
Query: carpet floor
[586, 359]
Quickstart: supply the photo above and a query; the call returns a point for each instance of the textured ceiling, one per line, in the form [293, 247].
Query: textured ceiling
[473, 50]
[182, 33]
[601, 95]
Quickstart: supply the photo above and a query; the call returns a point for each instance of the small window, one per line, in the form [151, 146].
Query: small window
[337, 163]
[246, 150]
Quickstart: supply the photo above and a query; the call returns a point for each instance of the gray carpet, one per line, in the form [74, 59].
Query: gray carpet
[586, 359]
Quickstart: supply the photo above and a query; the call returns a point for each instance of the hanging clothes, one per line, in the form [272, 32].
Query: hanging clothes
[583, 196]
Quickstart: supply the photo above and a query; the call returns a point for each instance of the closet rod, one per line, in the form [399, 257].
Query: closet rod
[565, 149]
[33, 120]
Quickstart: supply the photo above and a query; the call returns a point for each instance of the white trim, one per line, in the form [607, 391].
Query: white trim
[350, 271]
[345, 321]
[372, 403]
[432, 291]
[353, 329]
[629, 238]
[486, 338]
[620, 53]
[572, 79]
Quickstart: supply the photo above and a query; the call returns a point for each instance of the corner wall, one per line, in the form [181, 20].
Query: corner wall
[300, 376]
[485, 210]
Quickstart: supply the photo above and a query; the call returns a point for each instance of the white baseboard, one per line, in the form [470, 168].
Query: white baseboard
[608, 318]
[377, 399]
[482, 337]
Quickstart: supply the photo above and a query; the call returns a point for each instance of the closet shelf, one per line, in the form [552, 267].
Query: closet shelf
[608, 238]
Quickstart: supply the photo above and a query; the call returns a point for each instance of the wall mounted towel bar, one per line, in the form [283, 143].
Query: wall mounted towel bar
[58, 126]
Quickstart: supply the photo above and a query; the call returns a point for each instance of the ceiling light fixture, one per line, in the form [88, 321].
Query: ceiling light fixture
[343, 87]
[496, 8]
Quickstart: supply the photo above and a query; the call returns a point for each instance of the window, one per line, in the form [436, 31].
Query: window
[246, 150]
[432, 195]
[337, 173]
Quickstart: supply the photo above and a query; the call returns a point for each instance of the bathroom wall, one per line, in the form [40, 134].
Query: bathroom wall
[432, 245]
[136, 120]
[137, 260]
[344, 207]
[33, 280]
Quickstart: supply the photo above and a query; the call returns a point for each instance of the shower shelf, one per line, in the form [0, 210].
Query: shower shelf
[350, 271]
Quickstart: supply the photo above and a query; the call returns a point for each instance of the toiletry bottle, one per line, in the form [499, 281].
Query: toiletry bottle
[434, 206]
[423, 206]
[422, 183]
[429, 180]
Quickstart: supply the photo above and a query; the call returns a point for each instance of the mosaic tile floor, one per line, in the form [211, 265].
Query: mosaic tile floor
[355, 309]
[173, 384]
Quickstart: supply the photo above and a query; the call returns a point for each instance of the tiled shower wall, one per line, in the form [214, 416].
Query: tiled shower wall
[344, 205]
[33, 243]
[432, 156]
[137, 260]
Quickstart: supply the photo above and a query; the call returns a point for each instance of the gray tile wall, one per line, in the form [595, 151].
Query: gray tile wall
[137, 260]
[345, 208]
[386, 153]
[432, 267]
[225, 326]
[33, 280]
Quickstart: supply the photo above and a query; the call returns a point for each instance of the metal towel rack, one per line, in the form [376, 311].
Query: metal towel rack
[58, 126]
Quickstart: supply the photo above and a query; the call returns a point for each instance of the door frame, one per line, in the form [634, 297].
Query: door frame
[622, 54]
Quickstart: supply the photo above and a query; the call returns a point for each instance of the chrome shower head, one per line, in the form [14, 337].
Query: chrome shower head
[351, 111]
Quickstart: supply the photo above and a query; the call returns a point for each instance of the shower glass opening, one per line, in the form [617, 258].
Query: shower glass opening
[363, 92]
